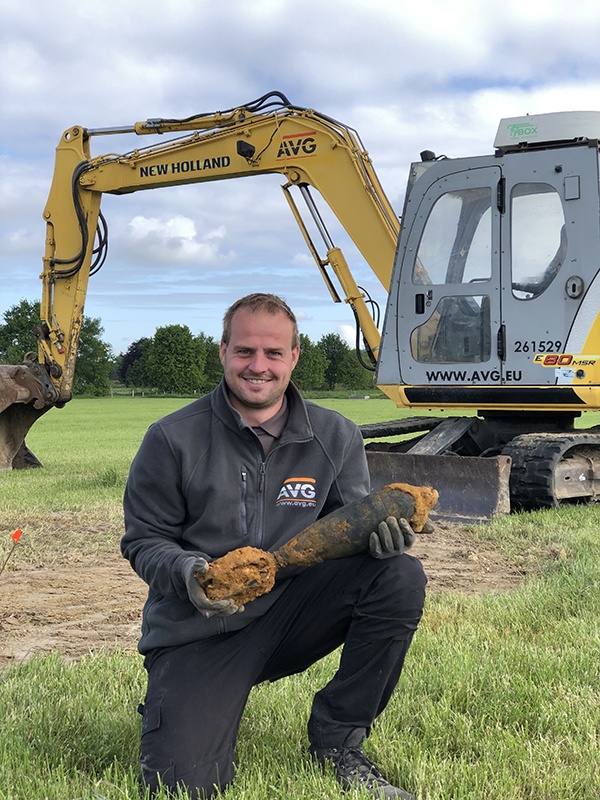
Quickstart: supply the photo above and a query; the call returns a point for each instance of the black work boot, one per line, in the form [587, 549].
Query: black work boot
[354, 770]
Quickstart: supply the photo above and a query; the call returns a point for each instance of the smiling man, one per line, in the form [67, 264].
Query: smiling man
[252, 464]
[259, 349]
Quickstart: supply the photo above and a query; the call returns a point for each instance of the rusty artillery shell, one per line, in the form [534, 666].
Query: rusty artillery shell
[247, 573]
[346, 531]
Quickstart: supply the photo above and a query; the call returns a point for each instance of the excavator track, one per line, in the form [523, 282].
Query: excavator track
[549, 469]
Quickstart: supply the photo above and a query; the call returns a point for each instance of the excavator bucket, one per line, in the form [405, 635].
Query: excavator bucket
[21, 404]
[470, 489]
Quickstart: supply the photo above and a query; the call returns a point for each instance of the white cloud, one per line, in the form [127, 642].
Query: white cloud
[176, 240]
[347, 333]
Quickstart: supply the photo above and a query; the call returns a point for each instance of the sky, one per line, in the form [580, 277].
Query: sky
[407, 75]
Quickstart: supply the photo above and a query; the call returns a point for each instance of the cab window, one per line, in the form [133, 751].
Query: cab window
[538, 238]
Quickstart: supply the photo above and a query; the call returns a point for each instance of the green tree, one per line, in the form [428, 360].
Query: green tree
[213, 369]
[115, 368]
[352, 375]
[176, 360]
[94, 358]
[309, 374]
[16, 335]
[133, 367]
[140, 372]
[335, 349]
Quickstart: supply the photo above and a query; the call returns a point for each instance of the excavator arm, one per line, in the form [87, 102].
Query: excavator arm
[311, 151]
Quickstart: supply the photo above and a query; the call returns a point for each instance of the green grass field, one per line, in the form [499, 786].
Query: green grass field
[500, 697]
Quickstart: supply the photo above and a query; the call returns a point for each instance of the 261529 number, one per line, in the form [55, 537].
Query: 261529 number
[538, 347]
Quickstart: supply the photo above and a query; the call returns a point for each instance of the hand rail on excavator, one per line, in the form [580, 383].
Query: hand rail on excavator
[268, 135]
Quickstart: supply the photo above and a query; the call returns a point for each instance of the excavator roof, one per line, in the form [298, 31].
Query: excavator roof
[540, 130]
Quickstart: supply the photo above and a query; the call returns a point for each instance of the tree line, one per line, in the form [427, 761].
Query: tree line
[175, 360]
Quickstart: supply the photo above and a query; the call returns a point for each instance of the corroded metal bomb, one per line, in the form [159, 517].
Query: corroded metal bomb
[247, 573]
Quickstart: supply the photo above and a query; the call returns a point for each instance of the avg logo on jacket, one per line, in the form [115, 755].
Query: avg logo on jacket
[297, 492]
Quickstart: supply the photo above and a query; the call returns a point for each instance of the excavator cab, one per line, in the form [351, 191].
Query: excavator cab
[495, 288]
[494, 307]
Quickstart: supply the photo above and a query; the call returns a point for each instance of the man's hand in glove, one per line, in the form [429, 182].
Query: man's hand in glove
[209, 608]
[392, 538]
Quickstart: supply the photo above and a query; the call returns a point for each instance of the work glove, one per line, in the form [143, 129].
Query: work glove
[392, 538]
[209, 608]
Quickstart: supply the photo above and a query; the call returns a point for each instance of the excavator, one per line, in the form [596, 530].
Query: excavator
[492, 283]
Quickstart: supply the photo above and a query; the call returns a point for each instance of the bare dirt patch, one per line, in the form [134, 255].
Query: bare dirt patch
[82, 601]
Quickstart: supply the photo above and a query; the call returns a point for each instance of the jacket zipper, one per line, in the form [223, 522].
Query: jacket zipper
[243, 511]
[261, 505]
[261, 483]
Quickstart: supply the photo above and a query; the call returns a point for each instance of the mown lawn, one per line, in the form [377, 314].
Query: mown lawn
[499, 699]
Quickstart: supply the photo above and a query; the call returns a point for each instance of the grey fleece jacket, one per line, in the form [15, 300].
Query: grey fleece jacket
[200, 485]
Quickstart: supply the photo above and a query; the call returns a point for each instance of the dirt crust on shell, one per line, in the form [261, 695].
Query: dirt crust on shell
[241, 575]
[424, 497]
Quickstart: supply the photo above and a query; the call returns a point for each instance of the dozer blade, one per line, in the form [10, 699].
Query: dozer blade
[25, 394]
[471, 489]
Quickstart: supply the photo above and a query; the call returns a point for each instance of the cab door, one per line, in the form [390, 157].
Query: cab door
[448, 275]
[551, 215]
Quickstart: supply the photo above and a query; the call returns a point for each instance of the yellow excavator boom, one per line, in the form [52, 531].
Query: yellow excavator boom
[311, 151]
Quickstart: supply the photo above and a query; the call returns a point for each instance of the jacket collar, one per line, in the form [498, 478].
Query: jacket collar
[298, 424]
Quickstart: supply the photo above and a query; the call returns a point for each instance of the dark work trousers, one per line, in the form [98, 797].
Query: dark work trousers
[197, 692]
